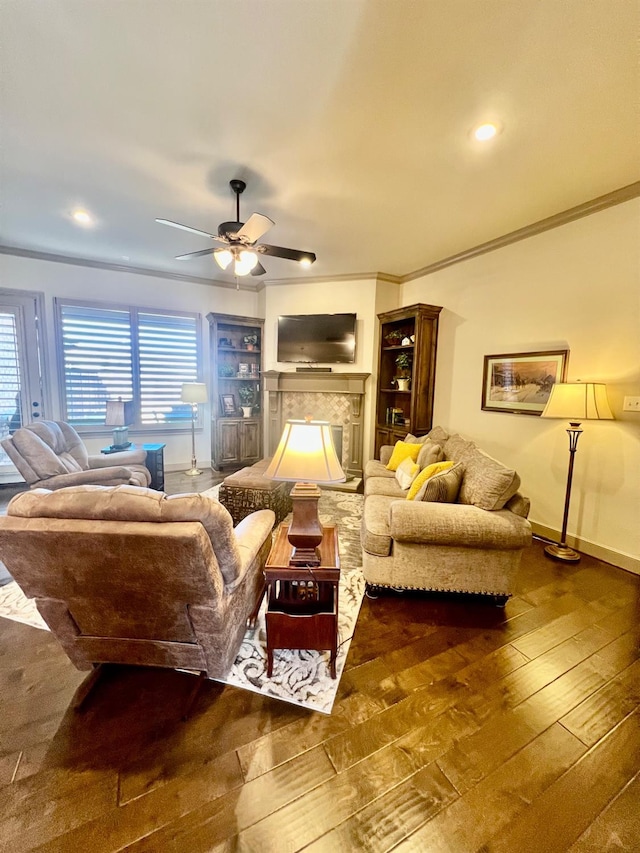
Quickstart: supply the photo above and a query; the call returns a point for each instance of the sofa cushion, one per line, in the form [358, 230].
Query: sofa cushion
[406, 473]
[487, 483]
[439, 435]
[374, 534]
[375, 468]
[403, 450]
[456, 447]
[420, 481]
[388, 486]
[430, 452]
[444, 486]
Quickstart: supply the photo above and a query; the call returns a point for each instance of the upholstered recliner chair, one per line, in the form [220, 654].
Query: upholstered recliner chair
[126, 575]
[51, 454]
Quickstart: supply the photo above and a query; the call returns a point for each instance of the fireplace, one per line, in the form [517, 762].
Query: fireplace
[328, 396]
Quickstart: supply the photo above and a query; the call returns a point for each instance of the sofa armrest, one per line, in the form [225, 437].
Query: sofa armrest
[250, 535]
[461, 525]
[90, 477]
[122, 457]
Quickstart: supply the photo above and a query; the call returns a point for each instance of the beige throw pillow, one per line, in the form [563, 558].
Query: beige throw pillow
[406, 473]
[444, 487]
[430, 452]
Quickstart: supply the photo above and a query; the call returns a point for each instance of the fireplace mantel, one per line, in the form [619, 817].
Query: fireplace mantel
[349, 385]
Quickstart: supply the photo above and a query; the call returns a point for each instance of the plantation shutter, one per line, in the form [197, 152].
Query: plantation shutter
[132, 354]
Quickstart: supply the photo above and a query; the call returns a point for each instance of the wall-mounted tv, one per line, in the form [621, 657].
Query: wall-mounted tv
[322, 338]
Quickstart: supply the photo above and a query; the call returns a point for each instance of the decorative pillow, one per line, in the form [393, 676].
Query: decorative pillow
[444, 487]
[424, 476]
[406, 473]
[430, 452]
[403, 450]
[487, 483]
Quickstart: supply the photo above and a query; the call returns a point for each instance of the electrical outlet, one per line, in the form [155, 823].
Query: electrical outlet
[631, 404]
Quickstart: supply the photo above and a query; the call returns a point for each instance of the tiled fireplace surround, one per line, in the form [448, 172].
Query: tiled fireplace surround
[334, 397]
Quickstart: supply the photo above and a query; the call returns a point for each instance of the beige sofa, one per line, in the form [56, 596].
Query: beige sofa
[472, 545]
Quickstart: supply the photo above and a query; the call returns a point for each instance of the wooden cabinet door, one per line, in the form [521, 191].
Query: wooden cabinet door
[227, 442]
[249, 441]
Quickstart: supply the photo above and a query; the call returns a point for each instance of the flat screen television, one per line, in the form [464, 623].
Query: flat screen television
[321, 338]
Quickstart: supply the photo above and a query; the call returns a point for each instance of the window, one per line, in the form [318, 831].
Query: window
[110, 352]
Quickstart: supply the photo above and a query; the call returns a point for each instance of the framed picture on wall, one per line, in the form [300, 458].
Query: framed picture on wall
[520, 383]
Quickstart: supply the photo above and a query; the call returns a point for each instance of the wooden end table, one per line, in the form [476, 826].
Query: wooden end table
[302, 602]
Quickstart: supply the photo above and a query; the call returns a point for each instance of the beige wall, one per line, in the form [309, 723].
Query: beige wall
[576, 287]
[71, 281]
[329, 297]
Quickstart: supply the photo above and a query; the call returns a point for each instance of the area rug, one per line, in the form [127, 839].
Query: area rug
[299, 676]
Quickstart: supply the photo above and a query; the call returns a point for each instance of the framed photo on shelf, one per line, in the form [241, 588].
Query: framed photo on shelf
[227, 404]
[520, 383]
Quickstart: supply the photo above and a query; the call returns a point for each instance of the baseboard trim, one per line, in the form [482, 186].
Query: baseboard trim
[607, 555]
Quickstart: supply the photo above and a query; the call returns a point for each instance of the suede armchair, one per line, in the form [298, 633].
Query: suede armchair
[51, 454]
[126, 575]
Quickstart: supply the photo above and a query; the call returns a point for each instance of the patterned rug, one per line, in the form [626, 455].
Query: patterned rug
[299, 676]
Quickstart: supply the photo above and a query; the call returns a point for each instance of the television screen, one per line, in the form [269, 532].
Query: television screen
[323, 338]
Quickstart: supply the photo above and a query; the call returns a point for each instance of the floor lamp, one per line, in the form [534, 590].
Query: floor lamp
[306, 453]
[194, 393]
[574, 402]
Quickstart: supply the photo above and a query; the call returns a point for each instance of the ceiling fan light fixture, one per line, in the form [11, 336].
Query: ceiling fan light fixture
[245, 262]
[223, 258]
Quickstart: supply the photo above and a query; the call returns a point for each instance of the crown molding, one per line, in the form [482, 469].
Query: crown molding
[33, 254]
[378, 276]
[602, 202]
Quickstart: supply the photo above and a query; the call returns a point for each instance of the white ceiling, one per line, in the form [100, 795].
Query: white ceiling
[349, 120]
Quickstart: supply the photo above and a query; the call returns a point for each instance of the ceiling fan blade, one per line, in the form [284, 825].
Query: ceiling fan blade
[255, 226]
[196, 254]
[186, 228]
[258, 269]
[289, 254]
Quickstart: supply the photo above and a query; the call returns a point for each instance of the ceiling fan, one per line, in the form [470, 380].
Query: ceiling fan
[240, 239]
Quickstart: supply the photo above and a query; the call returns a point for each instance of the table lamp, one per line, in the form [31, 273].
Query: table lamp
[306, 454]
[194, 393]
[119, 414]
[575, 402]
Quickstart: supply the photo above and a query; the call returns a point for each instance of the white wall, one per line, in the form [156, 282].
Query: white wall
[330, 297]
[576, 287]
[71, 281]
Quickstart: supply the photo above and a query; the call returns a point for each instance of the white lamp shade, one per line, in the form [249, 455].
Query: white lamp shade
[306, 452]
[119, 413]
[194, 392]
[578, 401]
[223, 258]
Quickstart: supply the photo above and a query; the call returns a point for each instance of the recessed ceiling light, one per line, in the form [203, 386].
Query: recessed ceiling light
[82, 217]
[485, 132]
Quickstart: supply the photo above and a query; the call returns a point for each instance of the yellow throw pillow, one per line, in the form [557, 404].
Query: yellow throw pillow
[424, 475]
[406, 473]
[401, 451]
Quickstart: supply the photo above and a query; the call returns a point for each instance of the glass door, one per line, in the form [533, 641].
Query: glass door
[21, 399]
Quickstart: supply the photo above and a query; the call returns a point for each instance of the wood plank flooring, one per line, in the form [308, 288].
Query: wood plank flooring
[457, 727]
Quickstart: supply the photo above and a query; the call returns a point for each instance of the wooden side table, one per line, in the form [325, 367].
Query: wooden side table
[302, 602]
[154, 462]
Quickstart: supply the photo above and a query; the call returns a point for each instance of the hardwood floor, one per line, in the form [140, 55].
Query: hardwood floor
[457, 727]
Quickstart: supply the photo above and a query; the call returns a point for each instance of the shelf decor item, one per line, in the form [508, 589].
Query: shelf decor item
[247, 395]
[194, 393]
[250, 341]
[520, 383]
[574, 402]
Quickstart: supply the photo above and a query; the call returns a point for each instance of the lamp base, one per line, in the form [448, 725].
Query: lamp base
[562, 552]
[305, 530]
[193, 472]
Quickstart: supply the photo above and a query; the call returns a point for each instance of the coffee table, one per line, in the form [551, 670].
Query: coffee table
[302, 602]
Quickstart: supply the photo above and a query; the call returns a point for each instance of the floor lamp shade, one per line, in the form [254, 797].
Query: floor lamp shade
[194, 393]
[574, 402]
[120, 414]
[306, 453]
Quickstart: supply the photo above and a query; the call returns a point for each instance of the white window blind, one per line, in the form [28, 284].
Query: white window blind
[135, 354]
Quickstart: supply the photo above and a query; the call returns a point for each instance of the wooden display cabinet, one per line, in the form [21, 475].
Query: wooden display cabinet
[407, 334]
[236, 383]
